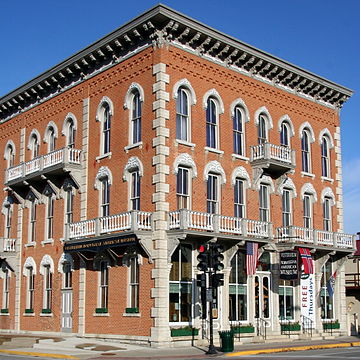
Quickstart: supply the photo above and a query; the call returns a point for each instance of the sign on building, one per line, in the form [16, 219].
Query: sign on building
[289, 266]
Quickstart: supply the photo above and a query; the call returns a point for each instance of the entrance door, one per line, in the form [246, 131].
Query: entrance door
[262, 298]
[66, 310]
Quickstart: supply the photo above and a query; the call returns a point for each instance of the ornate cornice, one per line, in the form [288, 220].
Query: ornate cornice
[161, 26]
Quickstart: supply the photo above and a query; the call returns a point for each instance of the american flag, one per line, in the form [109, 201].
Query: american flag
[251, 257]
[330, 286]
[307, 260]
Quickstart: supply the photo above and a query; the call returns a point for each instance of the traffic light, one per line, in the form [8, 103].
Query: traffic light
[217, 280]
[217, 257]
[202, 258]
[201, 280]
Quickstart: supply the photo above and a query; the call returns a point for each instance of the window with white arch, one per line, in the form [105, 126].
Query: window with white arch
[182, 115]
[7, 211]
[213, 191]
[239, 198]
[104, 116]
[285, 134]
[70, 132]
[212, 123]
[239, 131]
[305, 151]
[30, 288]
[34, 145]
[327, 218]
[50, 136]
[135, 121]
[262, 130]
[183, 188]
[325, 157]
[10, 154]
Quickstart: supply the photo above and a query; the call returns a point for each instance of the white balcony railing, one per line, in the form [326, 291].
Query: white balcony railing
[7, 245]
[316, 237]
[128, 221]
[194, 220]
[61, 156]
[269, 151]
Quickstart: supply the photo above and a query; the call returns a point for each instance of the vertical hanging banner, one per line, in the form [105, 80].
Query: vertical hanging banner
[307, 285]
[289, 265]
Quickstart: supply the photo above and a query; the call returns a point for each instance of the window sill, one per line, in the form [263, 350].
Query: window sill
[303, 173]
[4, 314]
[48, 241]
[324, 178]
[100, 157]
[29, 314]
[132, 146]
[30, 244]
[185, 143]
[46, 315]
[240, 157]
[101, 314]
[216, 151]
[131, 314]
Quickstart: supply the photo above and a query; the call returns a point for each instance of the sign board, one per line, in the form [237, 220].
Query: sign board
[288, 264]
[307, 288]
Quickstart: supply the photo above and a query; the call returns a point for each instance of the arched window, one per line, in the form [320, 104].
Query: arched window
[133, 172]
[52, 140]
[70, 135]
[285, 134]
[182, 115]
[34, 145]
[238, 294]
[264, 202]
[103, 115]
[325, 157]
[238, 131]
[212, 121]
[105, 197]
[305, 151]
[262, 130]
[239, 198]
[47, 270]
[135, 190]
[136, 118]
[9, 154]
[327, 214]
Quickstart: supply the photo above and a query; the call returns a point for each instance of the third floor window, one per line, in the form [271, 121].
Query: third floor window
[182, 115]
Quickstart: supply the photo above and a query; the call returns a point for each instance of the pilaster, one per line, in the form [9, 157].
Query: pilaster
[338, 180]
[160, 332]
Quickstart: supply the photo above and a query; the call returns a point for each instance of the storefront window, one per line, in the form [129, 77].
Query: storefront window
[180, 285]
[326, 301]
[238, 288]
[264, 262]
[286, 300]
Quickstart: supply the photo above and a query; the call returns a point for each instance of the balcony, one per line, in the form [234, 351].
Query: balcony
[130, 221]
[274, 159]
[57, 161]
[319, 238]
[7, 245]
[188, 220]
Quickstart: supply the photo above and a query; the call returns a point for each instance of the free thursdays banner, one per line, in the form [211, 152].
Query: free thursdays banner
[307, 285]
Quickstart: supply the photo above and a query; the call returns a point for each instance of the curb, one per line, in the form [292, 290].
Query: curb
[29, 353]
[294, 348]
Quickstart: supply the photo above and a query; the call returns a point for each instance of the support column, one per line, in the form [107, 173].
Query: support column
[83, 211]
[160, 332]
[338, 179]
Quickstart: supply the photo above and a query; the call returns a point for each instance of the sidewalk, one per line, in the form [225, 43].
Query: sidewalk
[79, 348]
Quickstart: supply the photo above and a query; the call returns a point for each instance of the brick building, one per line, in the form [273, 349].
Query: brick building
[162, 136]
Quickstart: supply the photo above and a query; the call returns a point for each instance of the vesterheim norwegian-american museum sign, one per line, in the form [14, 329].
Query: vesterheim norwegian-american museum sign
[95, 245]
[288, 264]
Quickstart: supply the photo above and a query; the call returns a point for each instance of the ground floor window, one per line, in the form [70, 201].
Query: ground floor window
[180, 297]
[286, 300]
[326, 299]
[6, 289]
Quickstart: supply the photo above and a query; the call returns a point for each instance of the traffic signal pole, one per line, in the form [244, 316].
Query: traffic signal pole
[211, 349]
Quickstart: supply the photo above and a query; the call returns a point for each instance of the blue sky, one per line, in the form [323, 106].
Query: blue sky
[321, 36]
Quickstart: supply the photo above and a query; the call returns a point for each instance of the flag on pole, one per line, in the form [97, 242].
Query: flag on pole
[251, 257]
[330, 286]
[307, 260]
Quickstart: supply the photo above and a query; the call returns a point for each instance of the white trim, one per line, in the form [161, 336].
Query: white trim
[50, 125]
[265, 180]
[34, 132]
[185, 160]
[29, 262]
[46, 261]
[308, 188]
[326, 132]
[287, 184]
[240, 173]
[215, 168]
[69, 116]
[240, 103]
[129, 93]
[103, 172]
[104, 100]
[327, 192]
[306, 125]
[264, 111]
[214, 94]
[287, 119]
[133, 163]
[65, 258]
[8, 144]
[184, 83]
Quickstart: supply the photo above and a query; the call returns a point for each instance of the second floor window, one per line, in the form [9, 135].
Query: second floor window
[262, 131]
[238, 131]
[32, 221]
[305, 151]
[182, 188]
[69, 206]
[286, 208]
[239, 199]
[325, 157]
[47, 287]
[6, 289]
[106, 127]
[50, 217]
[327, 214]
[264, 203]
[284, 134]
[105, 197]
[136, 118]
[211, 124]
[307, 211]
[182, 115]
[30, 288]
[7, 221]
[212, 194]
[135, 191]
